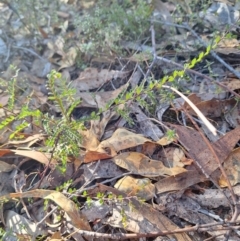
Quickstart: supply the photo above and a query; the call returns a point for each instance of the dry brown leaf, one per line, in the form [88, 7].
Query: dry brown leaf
[56, 237]
[99, 99]
[5, 167]
[230, 43]
[228, 51]
[232, 168]
[89, 139]
[98, 126]
[91, 156]
[208, 105]
[29, 141]
[146, 126]
[199, 151]
[78, 220]
[173, 157]
[164, 141]
[4, 152]
[214, 108]
[232, 83]
[179, 182]
[36, 155]
[148, 148]
[120, 140]
[142, 188]
[140, 164]
[68, 59]
[92, 78]
[4, 99]
[142, 218]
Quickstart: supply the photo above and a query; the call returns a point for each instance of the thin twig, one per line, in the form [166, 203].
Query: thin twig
[153, 52]
[31, 52]
[198, 227]
[197, 111]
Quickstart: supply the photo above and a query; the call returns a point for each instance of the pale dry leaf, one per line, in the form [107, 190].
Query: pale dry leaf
[232, 83]
[89, 139]
[166, 140]
[5, 167]
[178, 156]
[16, 222]
[92, 78]
[140, 187]
[120, 140]
[99, 99]
[68, 59]
[29, 141]
[4, 99]
[232, 168]
[36, 155]
[147, 127]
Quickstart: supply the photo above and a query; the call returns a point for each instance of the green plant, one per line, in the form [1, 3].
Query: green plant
[107, 23]
[155, 87]
[63, 136]
[64, 186]
[6, 234]
[33, 13]
[2, 232]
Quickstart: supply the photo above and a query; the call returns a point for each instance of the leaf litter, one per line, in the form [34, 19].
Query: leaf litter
[130, 181]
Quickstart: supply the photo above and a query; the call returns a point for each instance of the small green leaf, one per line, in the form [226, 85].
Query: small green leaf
[128, 96]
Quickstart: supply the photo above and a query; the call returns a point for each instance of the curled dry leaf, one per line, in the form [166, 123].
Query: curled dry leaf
[68, 59]
[122, 139]
[89, 139]
[140, 164]
[172, 157]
